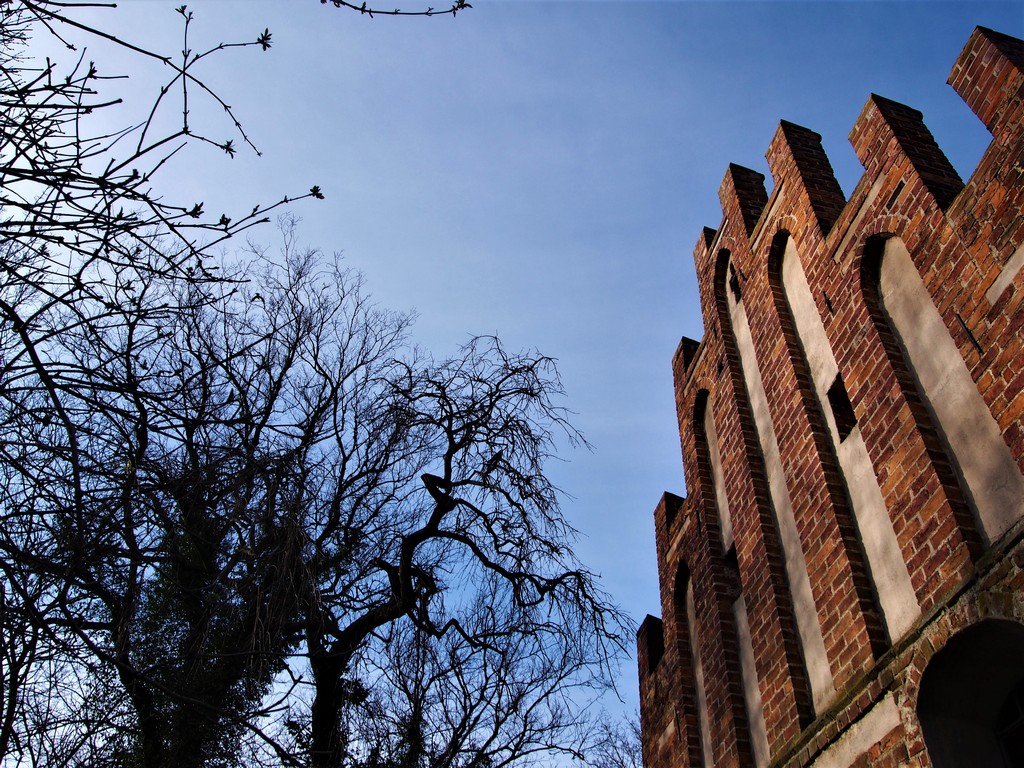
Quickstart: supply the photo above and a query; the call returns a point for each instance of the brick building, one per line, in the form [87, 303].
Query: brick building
[843, 585]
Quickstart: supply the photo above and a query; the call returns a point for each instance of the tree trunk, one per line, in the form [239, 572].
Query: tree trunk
[327, 746]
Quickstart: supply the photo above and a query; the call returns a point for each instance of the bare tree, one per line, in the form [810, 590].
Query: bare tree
[276, 486]
[475, 549]
[618, 743]
[362, 7]
[92, 259]
[450, 702]
[240, 511]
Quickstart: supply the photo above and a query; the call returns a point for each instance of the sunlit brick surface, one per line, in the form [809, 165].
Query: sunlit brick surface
[905, 524]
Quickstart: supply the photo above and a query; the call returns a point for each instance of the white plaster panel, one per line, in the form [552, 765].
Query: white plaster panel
[878, 723]
[886, 565]
[667, 733]
[751, 688]
[698, 678]
[991, 475]
[721, 499]
[1006, 275]
[804, 609]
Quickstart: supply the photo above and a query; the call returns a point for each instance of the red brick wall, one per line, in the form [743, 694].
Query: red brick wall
[960, 237]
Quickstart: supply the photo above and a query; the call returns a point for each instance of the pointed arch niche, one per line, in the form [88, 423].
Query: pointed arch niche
[696, 730]
[739, 652]
[886, 566]
[988, 476]
[733, 318]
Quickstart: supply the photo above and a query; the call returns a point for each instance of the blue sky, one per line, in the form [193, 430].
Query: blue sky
[542, 170]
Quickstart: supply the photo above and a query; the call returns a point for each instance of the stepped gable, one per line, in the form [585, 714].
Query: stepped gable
[842, 584]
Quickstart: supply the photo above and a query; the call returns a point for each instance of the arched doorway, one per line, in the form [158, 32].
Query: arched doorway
[971, 701]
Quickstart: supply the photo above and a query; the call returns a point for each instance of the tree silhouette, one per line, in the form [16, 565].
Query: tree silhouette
[93, 262]
[242, 517]
[452, 10]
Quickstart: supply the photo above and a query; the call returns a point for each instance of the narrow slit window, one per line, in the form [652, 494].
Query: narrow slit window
[732, 563]
[655, 648]
[842, 408]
